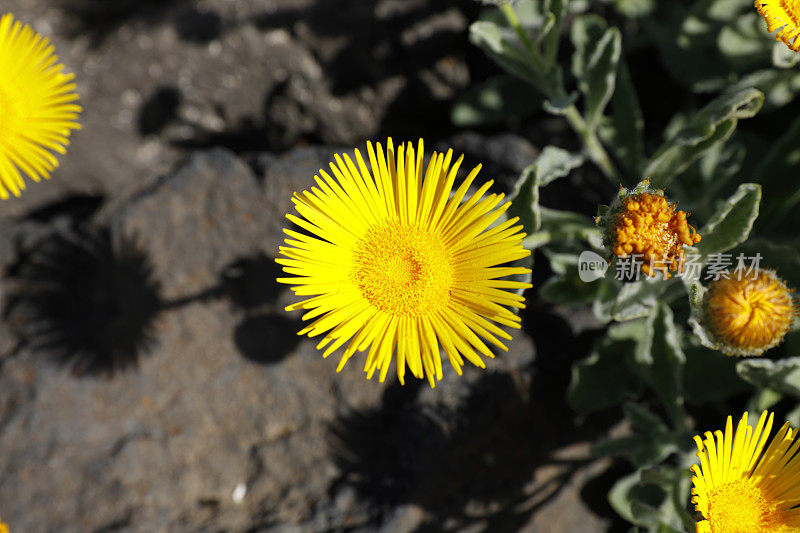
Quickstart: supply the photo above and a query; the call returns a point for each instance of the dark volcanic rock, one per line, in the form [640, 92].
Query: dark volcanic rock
[208, 433]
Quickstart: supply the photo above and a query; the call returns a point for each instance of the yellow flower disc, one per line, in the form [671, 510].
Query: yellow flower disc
[784, 14]
[649, 228]
[37, 106]
[748, 316]
[739, 487]
[393, 262]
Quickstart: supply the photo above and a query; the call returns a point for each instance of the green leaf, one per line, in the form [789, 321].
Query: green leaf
[525, 199]
[710, 376]
[500, 45]
[781, 376]
[624, 132]
[553, 163]
[496, 100]
[661, 359]
[556, 163]
[635, 300]
[783, 56]
[777, 172]
[594, 63]
[780, 87]
[569, 289]
[601, 76]
[731, 224]
[628, 492]
[713, 124]
[586, 32]
[558, 226]
[604, 378]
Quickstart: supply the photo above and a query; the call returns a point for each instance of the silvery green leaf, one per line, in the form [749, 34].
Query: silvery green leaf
[781, 376]
[556, 163]
[731, 224]
[637, 299]
[594, 63]
[777, 172]
[661, 358]
[783, 56]
[624, 131]
[559, 106]
[713, 124]
[525, 199]
[500, 45]
[780, 87]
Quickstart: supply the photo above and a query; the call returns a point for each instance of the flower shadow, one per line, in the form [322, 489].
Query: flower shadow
[470, 465]
[86, 298]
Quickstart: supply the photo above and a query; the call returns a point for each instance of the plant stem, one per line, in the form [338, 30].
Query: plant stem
[593, 145]
[513, 21]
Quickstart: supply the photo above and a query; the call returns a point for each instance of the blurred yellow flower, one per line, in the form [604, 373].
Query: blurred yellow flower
[748, 316]
[784, 14]
[38, 109]
[3, 527]
[648, 228]
[394, 262]
[737, 488]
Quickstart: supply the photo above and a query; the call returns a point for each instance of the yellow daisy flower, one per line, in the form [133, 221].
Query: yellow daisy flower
[748, 316]
[37, 106]
[784, 14]
[394, 261]
[649, 228]
[739, 487]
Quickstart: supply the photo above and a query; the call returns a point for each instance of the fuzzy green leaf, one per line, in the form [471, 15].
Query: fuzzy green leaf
[525, 199]
[594, 63]
[556, 163]
[604, 378]
[731, 224]
[500, 45]
[782, 376]
[713, 124]
[624, 131]
[661, 358]
[777, 172]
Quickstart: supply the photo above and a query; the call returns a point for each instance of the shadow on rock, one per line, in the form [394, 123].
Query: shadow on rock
[86, 299]
[159, 110]
[264, 335]
[100, 18]
[465, 466]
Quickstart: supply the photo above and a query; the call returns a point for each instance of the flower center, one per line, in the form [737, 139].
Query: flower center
[792, 8]
[740, 507]
[403, 270]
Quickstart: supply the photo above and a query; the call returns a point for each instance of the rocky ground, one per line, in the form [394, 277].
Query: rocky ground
[151, 380]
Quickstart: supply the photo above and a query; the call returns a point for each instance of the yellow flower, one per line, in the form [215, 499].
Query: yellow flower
[648, 228]
[37, 106]
[3, 527]
[747, 316]
[394, 262]
[784, 14]
[739, 489]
